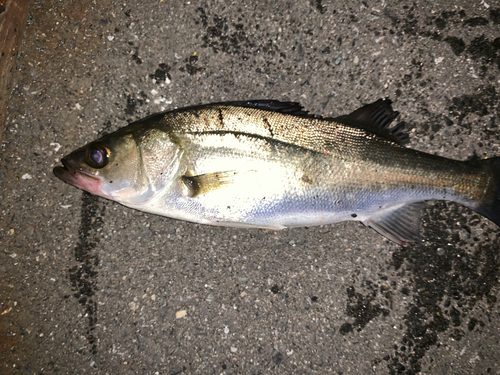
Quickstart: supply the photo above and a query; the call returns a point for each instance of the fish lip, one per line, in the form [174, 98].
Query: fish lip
[62, 172]
[68, 173]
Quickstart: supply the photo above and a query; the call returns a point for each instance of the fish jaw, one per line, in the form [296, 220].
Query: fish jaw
[78, 177]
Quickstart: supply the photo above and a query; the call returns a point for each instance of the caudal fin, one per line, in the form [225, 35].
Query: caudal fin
[489, 207]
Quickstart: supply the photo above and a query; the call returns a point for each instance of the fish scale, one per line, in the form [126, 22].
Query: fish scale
[267, 164]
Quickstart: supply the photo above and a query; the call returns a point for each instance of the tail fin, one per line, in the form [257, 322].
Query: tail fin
[489, 207]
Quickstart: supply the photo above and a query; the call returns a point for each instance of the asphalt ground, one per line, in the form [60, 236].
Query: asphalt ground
[90, 287]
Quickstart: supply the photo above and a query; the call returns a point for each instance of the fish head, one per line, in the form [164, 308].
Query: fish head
[111, 167]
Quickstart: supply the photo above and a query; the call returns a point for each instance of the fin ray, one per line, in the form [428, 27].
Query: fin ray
[400, 224]
[377, 118]
[291, 108]
[204, 183]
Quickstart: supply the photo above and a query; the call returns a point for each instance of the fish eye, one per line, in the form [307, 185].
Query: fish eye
[97, 156]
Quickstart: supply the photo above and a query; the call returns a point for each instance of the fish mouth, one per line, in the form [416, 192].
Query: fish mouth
[62, 173]
[77, 176]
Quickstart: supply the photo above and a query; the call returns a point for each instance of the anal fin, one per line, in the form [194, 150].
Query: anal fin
[400, 224]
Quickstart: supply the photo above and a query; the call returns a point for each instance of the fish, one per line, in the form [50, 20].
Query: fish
[270, 164]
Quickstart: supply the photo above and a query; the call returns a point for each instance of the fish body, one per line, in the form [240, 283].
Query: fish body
[267, 164]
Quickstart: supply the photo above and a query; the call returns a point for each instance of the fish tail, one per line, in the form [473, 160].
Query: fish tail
[489, 205]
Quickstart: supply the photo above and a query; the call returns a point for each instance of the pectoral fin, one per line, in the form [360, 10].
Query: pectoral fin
[204, 183]
[400, 224]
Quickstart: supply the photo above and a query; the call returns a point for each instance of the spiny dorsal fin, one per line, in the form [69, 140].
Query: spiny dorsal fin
[400, 224]
[376, 118]
[291, 108]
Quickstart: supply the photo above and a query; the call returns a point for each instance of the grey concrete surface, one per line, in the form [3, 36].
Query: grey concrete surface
[90, 287]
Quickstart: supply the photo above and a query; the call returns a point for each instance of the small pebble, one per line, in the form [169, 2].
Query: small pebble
[180, 314]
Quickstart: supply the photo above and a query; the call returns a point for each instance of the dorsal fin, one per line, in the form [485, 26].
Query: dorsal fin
[291, 108]
[376, 118]
[282, 121]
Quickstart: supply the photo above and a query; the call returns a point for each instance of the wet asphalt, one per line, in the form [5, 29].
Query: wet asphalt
[88, 286]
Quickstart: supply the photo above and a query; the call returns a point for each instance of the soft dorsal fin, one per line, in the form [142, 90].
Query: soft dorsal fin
[376, 118]
[291, 108]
